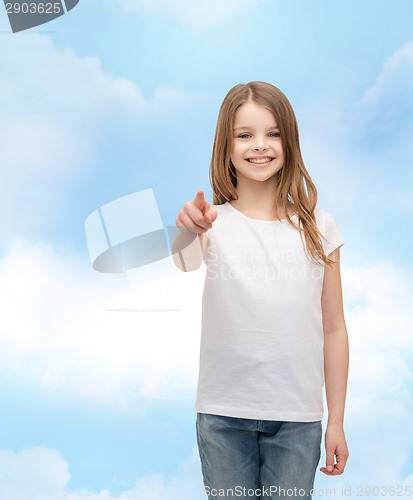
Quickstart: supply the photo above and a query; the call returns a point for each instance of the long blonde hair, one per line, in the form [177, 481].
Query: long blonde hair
[290, 192]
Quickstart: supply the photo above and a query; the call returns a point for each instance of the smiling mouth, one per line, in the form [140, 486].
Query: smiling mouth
[260, 162]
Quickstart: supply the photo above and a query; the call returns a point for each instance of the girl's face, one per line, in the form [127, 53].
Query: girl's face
[255, 134]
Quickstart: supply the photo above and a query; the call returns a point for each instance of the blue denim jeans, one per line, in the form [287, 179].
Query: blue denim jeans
[257, 459]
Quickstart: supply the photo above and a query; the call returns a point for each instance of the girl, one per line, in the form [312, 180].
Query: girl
[273, 327]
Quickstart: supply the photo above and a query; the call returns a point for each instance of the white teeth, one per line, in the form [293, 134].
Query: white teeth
[261, 160]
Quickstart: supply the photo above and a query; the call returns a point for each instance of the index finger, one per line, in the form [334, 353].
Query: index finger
[199, 200]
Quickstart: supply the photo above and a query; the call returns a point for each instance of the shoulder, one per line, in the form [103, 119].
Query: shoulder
[324, 219]
[322, 215]
[327, 225]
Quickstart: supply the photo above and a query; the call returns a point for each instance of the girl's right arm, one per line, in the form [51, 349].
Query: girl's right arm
[193, 221]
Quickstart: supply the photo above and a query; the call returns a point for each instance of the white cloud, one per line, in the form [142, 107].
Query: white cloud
[200, 14]
[394, 83]
[357, 151]
[50, 98]
[42, 474]
[385, 110]
[51, 102]
[57, 330]
[58, 111]
[379, 321]
[38, 473]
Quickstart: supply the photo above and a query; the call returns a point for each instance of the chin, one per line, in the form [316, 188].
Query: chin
[256, 173]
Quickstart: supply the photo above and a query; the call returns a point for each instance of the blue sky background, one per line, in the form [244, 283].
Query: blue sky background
[118, 96]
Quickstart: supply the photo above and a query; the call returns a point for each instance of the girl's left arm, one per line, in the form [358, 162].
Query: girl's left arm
[336, 361]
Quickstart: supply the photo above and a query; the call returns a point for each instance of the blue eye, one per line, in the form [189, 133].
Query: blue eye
[277, 133]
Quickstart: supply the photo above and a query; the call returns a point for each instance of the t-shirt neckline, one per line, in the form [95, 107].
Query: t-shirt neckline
[259, 220]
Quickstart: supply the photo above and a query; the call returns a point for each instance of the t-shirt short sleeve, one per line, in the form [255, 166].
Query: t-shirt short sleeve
[331, 233]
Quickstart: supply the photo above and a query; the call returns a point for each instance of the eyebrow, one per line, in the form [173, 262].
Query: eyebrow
[241, 127]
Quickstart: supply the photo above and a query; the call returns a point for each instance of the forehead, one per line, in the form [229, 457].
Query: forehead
[253, 115]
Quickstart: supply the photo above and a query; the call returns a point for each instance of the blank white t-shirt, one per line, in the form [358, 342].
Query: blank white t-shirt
[261, 351]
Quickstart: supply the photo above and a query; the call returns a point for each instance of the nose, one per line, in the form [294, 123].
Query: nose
[260, 144]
